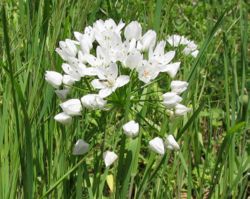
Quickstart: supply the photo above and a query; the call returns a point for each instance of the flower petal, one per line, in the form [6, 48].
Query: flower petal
[121, 81]
[168, 57]
[105, 92]
[112, 71]
[97, 84]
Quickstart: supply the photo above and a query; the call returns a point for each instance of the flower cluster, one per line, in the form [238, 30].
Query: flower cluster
[100, 52]
[190, 46]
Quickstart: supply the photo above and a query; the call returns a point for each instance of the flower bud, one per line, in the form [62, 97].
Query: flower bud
[181, 110]
[171, 143]
[53, 78]
[80, 147]
[68, 80]
[63, 118]
[195, 53]
[62, 94]
[176, 40]
[171, 99]
[93, 101]
[72, 107]
[148, 40]
[69, 47]
[133, 30]
[157, 145]
[109, 158]
[178, 86]
[131, 128]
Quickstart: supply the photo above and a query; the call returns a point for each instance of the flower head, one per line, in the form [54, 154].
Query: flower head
[109, 80]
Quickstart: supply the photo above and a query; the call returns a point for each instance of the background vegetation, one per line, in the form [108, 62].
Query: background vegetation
[36, 153]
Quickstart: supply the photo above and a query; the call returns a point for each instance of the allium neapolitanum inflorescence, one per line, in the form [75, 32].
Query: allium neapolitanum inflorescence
[98, 53]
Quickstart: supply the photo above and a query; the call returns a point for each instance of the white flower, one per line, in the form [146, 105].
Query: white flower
[73, 71]
[181, 110]
[159, 56]
[67, 49]
[157, 145]
[62, 94]
[53, 78]
[109, 158]
[147, 72]
[107, 34]
[134, 60]
[72, 107]
[191, 48]
[171, 69]
[161, 60]
[80, 147]
[133, 30]
[102, 57]
[85, 41]
[108, 25]
[131, 128]
[171, 99]
[68, 80]
[195, 53]
[109, 80]
[93, 101]
[63, 118]
[148, 40]
[178, 86]
[176, 40]
[171, 143]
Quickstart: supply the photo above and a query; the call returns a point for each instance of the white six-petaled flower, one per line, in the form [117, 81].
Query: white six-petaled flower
[109, 80]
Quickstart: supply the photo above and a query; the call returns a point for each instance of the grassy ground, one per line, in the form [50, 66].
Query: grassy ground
[35, 152]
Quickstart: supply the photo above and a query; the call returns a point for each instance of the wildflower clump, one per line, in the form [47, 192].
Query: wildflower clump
[108, 56]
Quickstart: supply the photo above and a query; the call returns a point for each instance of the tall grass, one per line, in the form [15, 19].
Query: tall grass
[36, 153]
